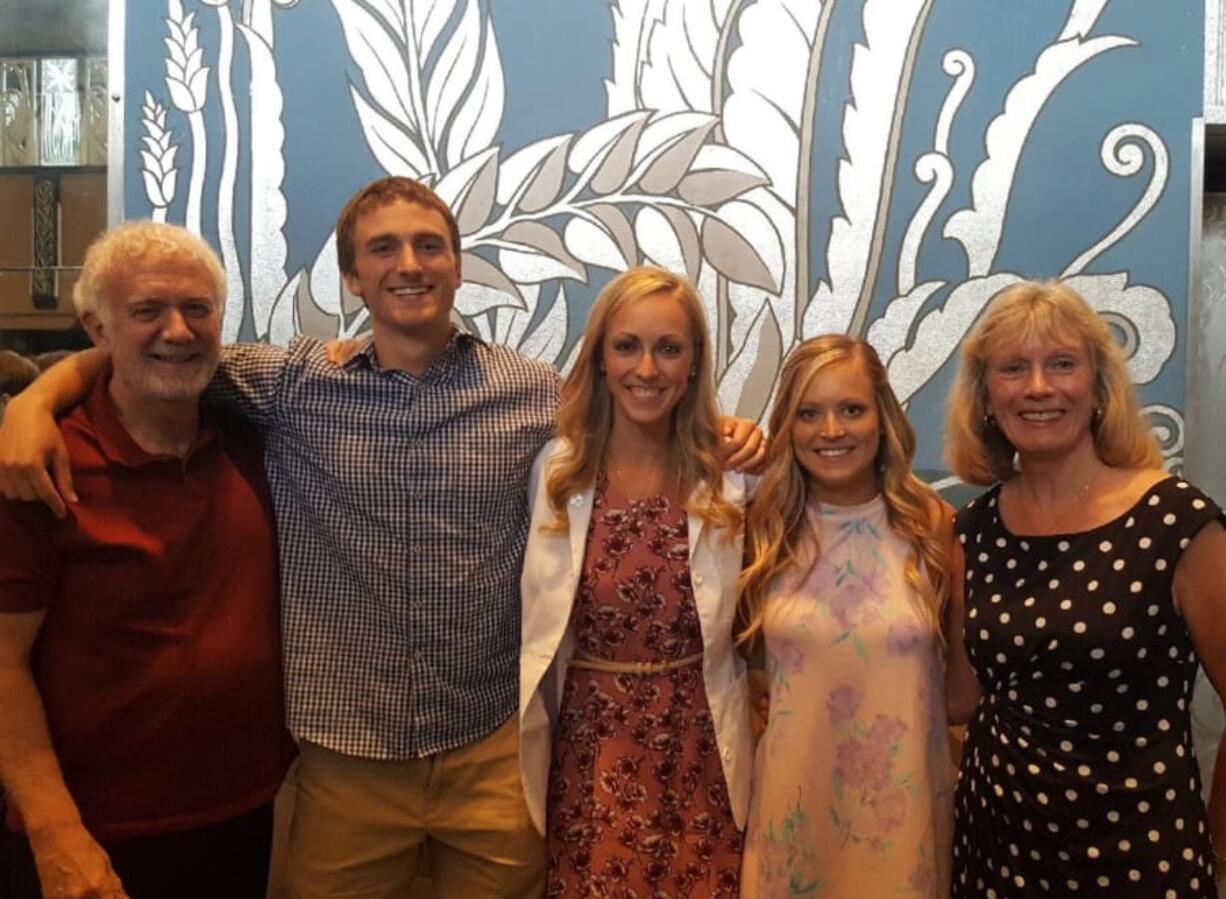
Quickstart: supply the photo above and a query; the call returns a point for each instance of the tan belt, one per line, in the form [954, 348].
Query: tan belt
[590, 664]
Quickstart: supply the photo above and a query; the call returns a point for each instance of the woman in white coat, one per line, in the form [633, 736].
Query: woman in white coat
[635, 743]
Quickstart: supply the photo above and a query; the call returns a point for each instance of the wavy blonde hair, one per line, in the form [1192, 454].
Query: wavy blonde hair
[778, 536]
[585, 416]
[1052, 313]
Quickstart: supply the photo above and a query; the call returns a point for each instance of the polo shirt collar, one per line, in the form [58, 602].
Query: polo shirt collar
[113, 438]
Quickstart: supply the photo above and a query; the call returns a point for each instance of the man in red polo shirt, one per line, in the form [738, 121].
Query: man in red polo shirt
[141, 721]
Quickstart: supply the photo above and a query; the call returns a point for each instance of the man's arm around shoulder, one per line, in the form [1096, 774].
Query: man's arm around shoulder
[33, 457]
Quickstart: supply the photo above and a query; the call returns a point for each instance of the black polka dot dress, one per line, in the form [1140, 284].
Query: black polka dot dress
[1078, 775]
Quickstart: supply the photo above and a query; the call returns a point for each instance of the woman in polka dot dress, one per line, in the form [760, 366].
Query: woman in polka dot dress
[1093, 586]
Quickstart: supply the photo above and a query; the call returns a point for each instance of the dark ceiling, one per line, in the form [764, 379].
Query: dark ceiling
[53, 26]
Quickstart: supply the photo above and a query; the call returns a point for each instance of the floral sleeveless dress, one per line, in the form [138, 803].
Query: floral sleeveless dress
[852, 794]
[637, 805]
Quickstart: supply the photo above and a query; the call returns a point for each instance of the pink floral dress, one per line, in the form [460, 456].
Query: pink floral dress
[638, 807]
[852, 781]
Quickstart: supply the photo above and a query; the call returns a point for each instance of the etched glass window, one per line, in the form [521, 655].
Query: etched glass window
[18, 112]
[60, 128]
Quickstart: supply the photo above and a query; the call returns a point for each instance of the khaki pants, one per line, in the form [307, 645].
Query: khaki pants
[359, 824]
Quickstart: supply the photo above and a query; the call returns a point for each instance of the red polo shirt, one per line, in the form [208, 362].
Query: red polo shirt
[159, 660]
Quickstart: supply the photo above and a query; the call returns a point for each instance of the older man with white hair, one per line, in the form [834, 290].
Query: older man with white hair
[141, 721]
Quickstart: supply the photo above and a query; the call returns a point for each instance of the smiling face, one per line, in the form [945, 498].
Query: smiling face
[647, 357]
[405, 270]
[1042, 396]
[836, 434]
[162, 327]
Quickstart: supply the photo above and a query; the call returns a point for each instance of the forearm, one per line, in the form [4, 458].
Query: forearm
[29, 768]
[65, 383]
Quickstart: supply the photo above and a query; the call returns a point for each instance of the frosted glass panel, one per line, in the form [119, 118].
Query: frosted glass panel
[18, 118]
[60, 131]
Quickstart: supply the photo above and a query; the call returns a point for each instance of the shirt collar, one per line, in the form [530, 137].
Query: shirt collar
[441, 369]
[113, 438]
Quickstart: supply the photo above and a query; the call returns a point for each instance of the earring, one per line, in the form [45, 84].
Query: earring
[1097, 414]
[989, 420]
[693, 372]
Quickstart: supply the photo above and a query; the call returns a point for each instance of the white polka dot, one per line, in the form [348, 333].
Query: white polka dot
[1053, 583]
[1136, 587]
[1118, 564]
[1108, 608]
[1168, 518]
[1144, 543]
[1079, 565]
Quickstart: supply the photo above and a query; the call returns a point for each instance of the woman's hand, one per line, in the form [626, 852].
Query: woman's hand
[743, 444]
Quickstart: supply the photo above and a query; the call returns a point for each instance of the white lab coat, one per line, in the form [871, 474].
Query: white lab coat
[553, 564]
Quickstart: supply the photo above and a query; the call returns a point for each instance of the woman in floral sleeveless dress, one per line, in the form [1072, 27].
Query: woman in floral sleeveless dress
[851, 792]
[635, 733]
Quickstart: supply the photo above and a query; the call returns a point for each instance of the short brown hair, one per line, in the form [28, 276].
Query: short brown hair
[381, 193]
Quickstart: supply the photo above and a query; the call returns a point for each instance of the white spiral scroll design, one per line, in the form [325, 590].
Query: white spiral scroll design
[960, 65]
[1123, 155]
[935, 168]
[1167, 426]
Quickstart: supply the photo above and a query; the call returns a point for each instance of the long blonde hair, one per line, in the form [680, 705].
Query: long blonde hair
[778, 537]
[1048, 311]
[585, 416]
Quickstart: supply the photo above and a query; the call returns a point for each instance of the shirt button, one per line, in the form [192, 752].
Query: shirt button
[727, 755]
[697, 579]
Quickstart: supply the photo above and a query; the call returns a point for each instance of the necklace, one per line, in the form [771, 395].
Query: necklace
[1036, 522]
[639, 481]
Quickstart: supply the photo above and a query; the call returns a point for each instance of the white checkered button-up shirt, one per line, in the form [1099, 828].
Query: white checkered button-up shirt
[402, 515]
